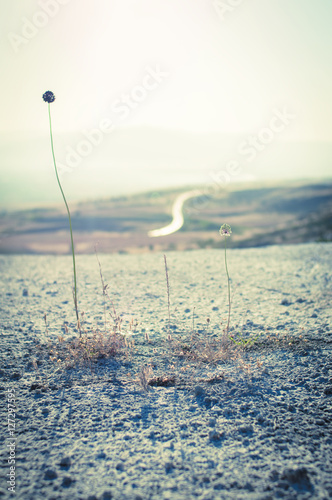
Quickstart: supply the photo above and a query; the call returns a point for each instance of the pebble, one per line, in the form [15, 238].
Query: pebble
[50, 474]
[67, 480]
[65, 461]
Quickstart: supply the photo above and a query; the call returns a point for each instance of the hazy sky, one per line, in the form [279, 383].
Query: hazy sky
[201, 66]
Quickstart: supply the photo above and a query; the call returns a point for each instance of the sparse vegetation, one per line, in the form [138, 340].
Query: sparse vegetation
[183, 354]
[199, 348]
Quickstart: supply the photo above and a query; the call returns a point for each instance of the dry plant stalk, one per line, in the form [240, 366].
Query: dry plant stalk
[194, 319]
[117, 320]
[49, 97]
[168, 301]
[104, 287]
[226, 231]
[43, 382]
[144, 376]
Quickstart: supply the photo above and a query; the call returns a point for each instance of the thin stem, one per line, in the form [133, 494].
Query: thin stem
[229, 289]
[69, 217]
[104, 287]
[193, 319]
[168, 303]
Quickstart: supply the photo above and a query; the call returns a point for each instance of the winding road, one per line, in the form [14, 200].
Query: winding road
[177, 215]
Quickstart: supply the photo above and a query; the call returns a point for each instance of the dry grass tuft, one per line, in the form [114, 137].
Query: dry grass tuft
[201, 348]
[89, 348]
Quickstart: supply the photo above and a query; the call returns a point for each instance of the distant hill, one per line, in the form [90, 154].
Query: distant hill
[259, 215]
[271, 215]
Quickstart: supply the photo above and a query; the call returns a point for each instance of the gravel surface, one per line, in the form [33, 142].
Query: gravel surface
[151, 423]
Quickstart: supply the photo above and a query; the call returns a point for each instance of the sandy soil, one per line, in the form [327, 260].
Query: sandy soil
[257, 426]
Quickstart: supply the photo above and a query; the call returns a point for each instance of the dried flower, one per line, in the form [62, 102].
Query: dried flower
[48, 96]
[225, 230]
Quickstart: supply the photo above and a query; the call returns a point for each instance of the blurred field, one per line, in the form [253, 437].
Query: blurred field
[259, 215]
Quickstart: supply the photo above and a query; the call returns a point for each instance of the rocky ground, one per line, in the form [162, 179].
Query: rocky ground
[158, 421]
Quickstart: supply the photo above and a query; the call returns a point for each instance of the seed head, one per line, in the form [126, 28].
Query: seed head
[48, 96]
[225, 230]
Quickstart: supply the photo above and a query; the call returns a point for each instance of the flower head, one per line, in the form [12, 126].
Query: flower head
[225, 230]
[48, 96]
